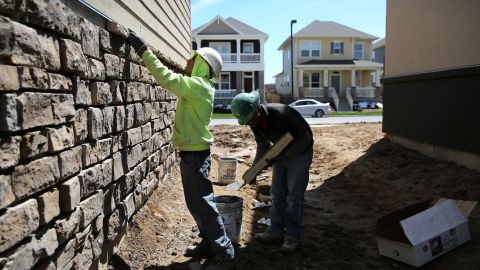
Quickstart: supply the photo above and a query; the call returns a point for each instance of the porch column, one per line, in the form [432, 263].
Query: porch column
[238, 50]
[261, 51]
[377, 78]
[352, 78]
[300, 78]
[325, 78]
[199, 43]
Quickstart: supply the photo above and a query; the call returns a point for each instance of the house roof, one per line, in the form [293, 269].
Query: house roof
[278, 74]
[329, 62]
[378, 44]
[328, 29]
[237, 26]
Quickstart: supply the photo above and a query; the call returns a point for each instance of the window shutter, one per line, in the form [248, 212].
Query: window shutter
[331, 47]
[341, 47]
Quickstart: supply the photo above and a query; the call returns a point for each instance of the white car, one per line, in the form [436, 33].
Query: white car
[311, 107]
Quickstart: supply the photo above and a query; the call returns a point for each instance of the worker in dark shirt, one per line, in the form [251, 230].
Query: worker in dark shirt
[290, 169]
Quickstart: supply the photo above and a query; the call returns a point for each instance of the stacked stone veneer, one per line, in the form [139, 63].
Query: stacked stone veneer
[85, 136]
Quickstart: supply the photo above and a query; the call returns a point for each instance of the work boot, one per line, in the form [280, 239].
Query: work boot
[202, 249]
[268, 237]
[221, 264]
[289, 246]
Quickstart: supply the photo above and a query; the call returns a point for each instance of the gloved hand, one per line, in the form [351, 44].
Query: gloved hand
[137, 42]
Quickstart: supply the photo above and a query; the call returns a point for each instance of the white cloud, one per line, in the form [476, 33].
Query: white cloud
[201, 4]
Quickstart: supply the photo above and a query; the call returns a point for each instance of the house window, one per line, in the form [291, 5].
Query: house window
[336, 47]
[311, 80]
[358, 51]
[310, 49]
[223, 81]
[248, 47]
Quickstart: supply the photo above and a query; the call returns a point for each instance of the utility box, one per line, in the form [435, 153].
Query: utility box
[419, 233]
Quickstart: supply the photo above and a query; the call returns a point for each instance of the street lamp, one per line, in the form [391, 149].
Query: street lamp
[291, 54]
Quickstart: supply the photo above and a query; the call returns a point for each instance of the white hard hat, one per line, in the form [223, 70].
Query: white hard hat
[213, 58]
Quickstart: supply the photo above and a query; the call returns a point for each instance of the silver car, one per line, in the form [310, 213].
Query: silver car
[311, 107]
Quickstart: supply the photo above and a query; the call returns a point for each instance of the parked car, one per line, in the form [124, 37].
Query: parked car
[311, 107]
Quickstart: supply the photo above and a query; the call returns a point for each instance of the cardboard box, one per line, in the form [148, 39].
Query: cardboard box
[419, 233]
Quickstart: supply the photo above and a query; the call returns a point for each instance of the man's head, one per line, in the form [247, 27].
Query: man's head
[211, 57]
[244, 106]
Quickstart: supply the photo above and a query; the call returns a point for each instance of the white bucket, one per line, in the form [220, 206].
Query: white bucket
[231, 212]
[227, 170]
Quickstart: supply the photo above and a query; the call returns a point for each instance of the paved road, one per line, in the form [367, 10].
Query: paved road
[315, 121]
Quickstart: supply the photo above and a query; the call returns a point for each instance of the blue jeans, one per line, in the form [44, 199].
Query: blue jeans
[289, 182]
[198, 191]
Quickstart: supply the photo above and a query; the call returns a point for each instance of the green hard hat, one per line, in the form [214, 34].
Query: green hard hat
[244, 106]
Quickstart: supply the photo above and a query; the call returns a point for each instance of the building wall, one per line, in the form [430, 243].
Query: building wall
[85, 135]
[379, 55]
[164, 24]
[431, 35]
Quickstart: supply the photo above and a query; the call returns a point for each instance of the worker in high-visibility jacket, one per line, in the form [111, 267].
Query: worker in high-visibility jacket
[195, 92]
[290, 177]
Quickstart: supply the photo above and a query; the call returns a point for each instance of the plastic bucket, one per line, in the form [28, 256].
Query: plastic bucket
[231, 212]
[227, 170]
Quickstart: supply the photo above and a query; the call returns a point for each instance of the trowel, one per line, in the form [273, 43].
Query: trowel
[262, 163]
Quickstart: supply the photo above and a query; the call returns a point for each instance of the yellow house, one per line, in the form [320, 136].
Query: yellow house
[331, 63]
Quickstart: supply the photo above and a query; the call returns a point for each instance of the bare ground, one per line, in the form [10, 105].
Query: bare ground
[356, 177]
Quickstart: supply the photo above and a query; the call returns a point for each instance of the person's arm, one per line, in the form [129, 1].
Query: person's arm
[262, 146]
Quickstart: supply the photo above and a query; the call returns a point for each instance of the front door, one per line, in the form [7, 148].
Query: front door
[335, 83]
[248, 82]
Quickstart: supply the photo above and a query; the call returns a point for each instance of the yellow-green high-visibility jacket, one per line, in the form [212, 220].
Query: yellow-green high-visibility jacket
[194, 105]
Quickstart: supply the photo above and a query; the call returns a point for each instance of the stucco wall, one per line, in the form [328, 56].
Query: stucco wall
[85, 136]
[431, 35]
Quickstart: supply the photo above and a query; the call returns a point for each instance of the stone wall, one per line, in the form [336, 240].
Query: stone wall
[85, 136]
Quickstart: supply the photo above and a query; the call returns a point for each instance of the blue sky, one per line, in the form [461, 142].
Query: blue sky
[273, 17]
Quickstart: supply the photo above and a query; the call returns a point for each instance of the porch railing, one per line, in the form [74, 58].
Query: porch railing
[229, 57]
[225, 93]
[368, 92]
[313, 92]
[334, 96]
[250, 57]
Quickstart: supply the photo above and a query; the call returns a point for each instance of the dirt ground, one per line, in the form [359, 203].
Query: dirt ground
[356, 177]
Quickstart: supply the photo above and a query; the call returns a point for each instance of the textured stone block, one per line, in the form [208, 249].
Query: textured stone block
[33, 78]
[129, 204]
[130, 115]
[64, 255]
[147, 110]
[97, 69]
[101, 94]
[90, 38]
[82, 93]
[63, 108]
[8, 112]
[146, 131]
[19, 44]
[119, 165]
[54, 16]
[107, 171]
[67, 225]
[72, 58]
[45, 244]
[80, 125]
[6, 193]
[9, 78]
[112, 66]
[117, 29]
[134, 156]
[95, 123]
[108, 119]
[13, 8]
[69, 194]
[110, 200]
[139, 114]
[59, 82]
[48, 206]
[90, 179]
[134, 72]
[115, 222]
[82, 237]
[35, 109]
[33, 144]
[60, 138]
[119, 119]
[20, 258]
[17, 223]
[84, 256]
[91, 208]
[117, 88]
[50, 51]
[96, 151]
[9, 151]
[105, 44]
[134, 136]
[35, 176]
[70, 162]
